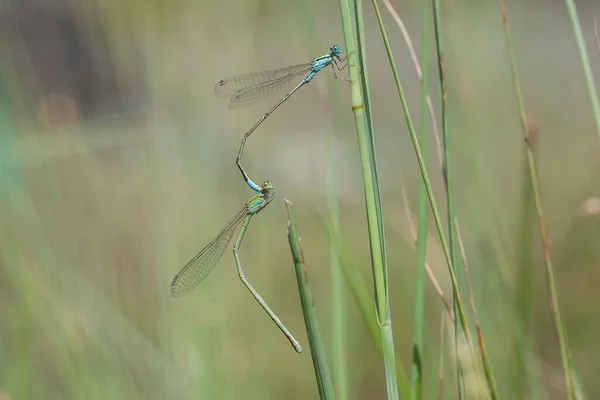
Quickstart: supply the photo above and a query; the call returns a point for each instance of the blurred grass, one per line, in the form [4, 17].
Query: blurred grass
[96, 217]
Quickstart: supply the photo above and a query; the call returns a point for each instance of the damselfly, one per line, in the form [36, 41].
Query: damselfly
[246, 89]
[200, 266]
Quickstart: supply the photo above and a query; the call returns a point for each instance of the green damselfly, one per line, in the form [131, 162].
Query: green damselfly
[200, 266]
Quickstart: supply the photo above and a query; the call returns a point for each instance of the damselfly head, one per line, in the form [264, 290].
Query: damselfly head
[267, 192]
[335, 50]
[266, 185]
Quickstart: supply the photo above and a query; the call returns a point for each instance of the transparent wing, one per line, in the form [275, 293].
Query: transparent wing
[200, 266]
[250, 95]
[248, 88]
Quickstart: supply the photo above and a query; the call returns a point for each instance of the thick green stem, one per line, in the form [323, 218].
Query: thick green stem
[351, 13]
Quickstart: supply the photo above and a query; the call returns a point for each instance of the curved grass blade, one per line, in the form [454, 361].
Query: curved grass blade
[200, 266]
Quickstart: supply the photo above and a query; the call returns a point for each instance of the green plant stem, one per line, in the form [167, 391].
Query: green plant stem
[421, 245]
[359, 89]
[306, 23]
[447, 176]
[453, 231]
[460, 308]
[412, 52]
[424, 175]
[585, 62]
[367, 173]
[577, 385]
[524, 291]
[338, 305]
[533, 176]
[317, 349]
[360, 293]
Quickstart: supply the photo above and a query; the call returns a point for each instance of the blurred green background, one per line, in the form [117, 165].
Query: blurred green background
[117, 166]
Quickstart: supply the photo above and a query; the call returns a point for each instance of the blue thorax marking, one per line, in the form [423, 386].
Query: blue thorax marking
[320, 62]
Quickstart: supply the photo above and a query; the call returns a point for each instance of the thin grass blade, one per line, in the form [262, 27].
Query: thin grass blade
[448, 185]
[555, 305]
[317, 349]
[585, 62]
[421, 245]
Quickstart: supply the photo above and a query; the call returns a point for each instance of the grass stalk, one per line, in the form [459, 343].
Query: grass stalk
[460, 308]
[440, 395]
[585, 62]
[360, 294]
[306, 23]
[440, 154]
[351, 12]
[317, 349]
[338, 304]
[487, 366]
[524, 291]
[453, 227]
[413, 56]
[421, 163]
[339, 326]
[430, 274]
[597, 36]
[533, 176]
[358, 289]
[577, 386]
[421, 245]
[447, 176]
[10, 173]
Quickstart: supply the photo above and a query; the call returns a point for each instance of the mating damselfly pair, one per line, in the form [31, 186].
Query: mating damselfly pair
[244, 90]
